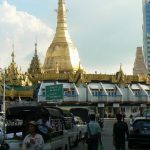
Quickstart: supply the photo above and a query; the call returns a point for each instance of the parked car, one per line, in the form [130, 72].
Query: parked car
[139, 132]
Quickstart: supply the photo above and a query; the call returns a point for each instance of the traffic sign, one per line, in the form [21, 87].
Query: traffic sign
[54, 92]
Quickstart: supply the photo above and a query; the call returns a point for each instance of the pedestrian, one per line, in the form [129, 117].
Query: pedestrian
[101, 123]
[45, 120]
[33, 141]
[123, 115]
[45, 127]
[120, 131]
[131, 119]
[82, 144]
[93, 134]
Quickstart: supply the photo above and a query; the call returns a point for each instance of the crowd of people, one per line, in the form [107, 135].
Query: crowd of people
[93, 136]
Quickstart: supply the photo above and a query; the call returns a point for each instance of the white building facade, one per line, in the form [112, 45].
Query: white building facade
[129, 98]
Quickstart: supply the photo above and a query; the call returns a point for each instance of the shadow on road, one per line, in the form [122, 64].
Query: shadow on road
[141, 148]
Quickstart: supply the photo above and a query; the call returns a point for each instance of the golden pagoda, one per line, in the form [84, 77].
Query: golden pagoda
[62, 54]
[17, 84]
[14, 76]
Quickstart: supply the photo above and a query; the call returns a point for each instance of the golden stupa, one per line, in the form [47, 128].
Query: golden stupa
[62, 54]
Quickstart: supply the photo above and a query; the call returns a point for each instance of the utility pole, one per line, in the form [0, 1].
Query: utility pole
[4, 101]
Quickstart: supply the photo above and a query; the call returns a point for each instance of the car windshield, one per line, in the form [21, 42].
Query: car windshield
[141, 124]
[78, 120]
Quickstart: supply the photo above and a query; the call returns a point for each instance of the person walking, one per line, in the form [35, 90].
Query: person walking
[93, 133]
[131, 119]
[123, 116]
[33, 141]
[120, 131]
[45, 127]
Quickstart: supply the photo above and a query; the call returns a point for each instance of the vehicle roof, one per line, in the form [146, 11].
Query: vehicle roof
[55, 112]
[140, 118]
[20, 112]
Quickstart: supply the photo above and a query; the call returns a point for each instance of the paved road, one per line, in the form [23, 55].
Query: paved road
[106, 137]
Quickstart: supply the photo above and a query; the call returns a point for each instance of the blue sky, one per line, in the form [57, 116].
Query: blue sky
[106, 33]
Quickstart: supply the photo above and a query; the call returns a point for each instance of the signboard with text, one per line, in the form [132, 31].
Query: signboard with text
[54, 92]
[116, 105]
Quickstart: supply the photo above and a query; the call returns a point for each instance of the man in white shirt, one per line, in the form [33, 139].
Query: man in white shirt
[94, 133]
[33, 141]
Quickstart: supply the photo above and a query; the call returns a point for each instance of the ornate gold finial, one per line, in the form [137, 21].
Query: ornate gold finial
[120, 75]
[13, 55]
[61, 30]
[35, 48]
[120, 66]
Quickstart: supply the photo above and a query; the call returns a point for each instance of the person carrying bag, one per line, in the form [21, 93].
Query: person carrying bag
[93, 134]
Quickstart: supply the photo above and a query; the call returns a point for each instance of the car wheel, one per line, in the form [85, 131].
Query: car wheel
[80, 135]
[69, 142]
[76, 142]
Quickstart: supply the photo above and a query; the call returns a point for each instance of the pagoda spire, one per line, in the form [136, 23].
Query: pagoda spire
[139, 64]
[13, 55]
[35, 66]
[61, 51]
[62, 28]
[35, 49]
[120, 66]
[62, 16]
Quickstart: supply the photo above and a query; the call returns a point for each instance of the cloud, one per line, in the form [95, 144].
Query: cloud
[22, 29]
[107, 33]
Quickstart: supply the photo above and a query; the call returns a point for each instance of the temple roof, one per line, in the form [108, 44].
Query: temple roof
[14, 76]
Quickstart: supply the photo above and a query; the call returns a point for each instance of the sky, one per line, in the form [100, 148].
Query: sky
[106, 33]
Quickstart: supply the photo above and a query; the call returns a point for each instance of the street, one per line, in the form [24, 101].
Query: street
[106, 137]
